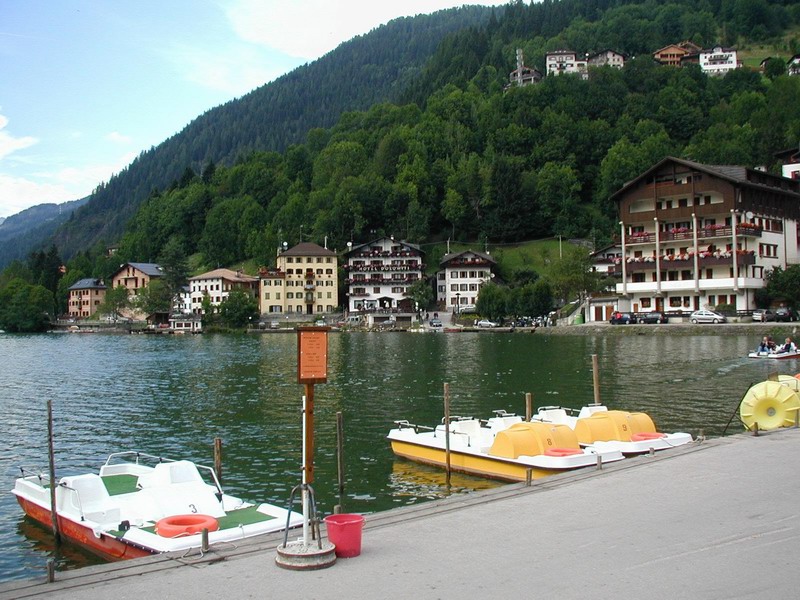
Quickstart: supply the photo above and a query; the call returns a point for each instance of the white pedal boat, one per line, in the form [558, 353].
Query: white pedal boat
[131, 509]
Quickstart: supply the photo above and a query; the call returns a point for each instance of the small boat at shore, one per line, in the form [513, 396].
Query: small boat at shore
[133, 509]
[503, 447]
[774, 355]
[603, 429]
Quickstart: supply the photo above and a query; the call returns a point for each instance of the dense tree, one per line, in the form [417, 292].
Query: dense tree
[115, 301]
[25, 307]
[239, 309]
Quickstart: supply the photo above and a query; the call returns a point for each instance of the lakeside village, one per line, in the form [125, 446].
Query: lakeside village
[691, 237]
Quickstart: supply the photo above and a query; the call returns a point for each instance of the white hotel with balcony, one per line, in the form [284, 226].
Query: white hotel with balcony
[697, 236]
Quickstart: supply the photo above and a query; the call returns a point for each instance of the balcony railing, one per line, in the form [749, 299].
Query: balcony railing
[682, 234]
[685, 262]
[374, 268]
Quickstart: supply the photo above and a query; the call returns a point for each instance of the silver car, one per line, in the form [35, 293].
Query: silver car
[707, 316]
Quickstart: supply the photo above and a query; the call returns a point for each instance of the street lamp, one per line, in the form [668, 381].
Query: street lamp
[458, 303]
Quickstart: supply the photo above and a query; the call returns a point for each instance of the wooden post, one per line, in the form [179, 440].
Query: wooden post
[340, 459]
[53, 483]
[51, 570]
[218, 458]
[528, 406]
[596, 379]
[447, 433]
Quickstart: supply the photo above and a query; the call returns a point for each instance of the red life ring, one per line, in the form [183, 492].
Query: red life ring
[562, 452]
[647, 435]
[176, 525]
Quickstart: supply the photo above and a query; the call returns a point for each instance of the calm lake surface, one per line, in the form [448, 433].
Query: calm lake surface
[172, 395]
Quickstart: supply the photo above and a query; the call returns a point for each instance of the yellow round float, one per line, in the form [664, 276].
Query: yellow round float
[771, 404]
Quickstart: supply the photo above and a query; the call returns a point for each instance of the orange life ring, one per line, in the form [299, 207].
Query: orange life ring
[647, 435]
[562, 452]
[176, 525]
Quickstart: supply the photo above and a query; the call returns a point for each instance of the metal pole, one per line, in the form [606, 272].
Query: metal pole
[596, 379]
[340, 459]
[447, 432]
[52, 461]
[528, 406]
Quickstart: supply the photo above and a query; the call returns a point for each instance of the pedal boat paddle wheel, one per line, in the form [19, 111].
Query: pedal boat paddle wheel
[771, 404]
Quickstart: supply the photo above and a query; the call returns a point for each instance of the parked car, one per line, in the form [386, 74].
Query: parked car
[763, 315]
[465, 309]
[654, 316]
[785, 314]
[435, 323]
[486, 323]
[622, 318]
[707, 316]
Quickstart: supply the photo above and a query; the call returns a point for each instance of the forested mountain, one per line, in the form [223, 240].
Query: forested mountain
[370, 68]
[23, 231]
[462, 157]
[474, 162]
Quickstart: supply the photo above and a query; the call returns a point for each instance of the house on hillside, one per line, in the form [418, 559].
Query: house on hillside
[673, 54]
[84, 296]
[461, 275]
[696, 236]
[607, 57]
[217, 285]
[790, 162]
[305, 282]
[793, 65]
[718, 61]
[522, 75]
[379, 275]
[560, 62]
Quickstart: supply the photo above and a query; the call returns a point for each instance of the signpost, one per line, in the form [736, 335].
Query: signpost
[312, 368]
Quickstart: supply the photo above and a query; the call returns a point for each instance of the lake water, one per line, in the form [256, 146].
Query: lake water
[172, 395]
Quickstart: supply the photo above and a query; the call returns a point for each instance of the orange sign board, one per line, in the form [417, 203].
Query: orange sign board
[312, 354]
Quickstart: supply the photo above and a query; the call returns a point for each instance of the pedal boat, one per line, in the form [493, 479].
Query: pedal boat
[628, 432]
[131, 509]
[774, 355]
[503, 447]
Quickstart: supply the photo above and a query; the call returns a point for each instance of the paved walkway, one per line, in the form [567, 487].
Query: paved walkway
[719, 520]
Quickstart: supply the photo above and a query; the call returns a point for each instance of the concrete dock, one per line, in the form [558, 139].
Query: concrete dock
[718, 520]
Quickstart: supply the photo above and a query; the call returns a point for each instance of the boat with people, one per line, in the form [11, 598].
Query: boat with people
[139, 504]
[502, 447]
[774, 355]
[769, 349]
[603, 429]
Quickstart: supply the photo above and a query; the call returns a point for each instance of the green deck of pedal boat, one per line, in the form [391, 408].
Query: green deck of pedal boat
[126, 484]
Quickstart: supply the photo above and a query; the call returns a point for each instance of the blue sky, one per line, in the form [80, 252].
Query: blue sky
[86, 85]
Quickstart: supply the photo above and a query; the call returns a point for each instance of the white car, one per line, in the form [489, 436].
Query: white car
[486, 323]
[707, 316]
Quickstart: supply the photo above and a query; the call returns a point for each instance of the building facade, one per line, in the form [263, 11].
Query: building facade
[522, 75]
[697, 236]
[609, 58]
[674, 54]
[561, 62]
[85, 296]
[718, 61]
[305, 281]
[216, 285]
[461, 275]
[135, 276]
[380, 273]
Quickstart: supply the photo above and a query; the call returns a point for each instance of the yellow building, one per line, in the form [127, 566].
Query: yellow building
[304, 282]
[84, 297]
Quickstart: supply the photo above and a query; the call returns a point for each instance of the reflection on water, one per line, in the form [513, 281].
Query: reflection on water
[172, 395]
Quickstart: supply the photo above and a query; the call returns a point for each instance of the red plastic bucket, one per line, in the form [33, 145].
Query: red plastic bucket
[344, 532]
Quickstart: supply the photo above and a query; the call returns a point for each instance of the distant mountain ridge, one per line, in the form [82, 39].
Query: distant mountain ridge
[20, 233]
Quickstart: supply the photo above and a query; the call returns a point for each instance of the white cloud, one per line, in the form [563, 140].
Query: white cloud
[309, 28]
[9, 143]
[234, 71]
[118, 138]
[19, 193]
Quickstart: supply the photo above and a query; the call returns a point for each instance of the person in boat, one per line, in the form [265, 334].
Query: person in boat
[788, 346]
[771, 344]
[764, 345]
